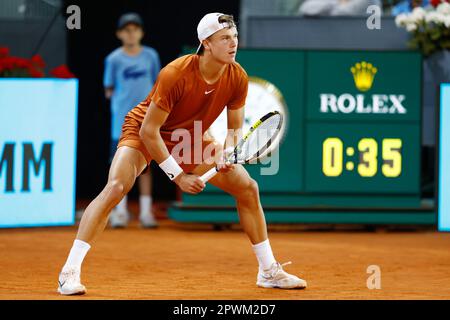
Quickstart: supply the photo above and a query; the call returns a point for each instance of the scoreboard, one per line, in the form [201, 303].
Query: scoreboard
[363, 119]
[352, 152]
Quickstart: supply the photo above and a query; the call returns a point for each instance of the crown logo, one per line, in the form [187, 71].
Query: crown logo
[363, 75]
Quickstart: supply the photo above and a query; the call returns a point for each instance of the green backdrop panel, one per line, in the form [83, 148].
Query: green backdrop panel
[353, 139]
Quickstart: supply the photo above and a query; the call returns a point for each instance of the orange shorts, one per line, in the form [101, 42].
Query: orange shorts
[130, 138]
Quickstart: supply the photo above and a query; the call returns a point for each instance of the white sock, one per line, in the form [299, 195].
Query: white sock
[122, 206]
[145, 205]
[77, 254]
[264, 254]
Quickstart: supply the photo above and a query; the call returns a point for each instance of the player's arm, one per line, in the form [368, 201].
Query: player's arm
[109, 77]
[235, 120]
[150, 135]
[235, 112]
[109, 92]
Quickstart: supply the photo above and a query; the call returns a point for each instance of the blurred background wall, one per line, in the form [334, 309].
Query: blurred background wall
[38, 26]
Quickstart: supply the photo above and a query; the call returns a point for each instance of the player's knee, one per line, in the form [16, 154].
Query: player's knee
[253, 187]
[115, 190]
[249, 190]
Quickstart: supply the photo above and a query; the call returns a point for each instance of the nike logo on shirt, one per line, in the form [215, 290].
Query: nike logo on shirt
[208, 92]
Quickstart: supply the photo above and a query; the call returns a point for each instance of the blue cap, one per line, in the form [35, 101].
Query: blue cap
[128, 18]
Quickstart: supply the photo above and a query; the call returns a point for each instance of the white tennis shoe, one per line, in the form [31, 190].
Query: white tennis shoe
[119, 218]
[69, 282]
[148, 220]
[276, 277]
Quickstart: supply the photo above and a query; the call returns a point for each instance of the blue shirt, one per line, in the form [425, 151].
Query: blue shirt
[132, 78]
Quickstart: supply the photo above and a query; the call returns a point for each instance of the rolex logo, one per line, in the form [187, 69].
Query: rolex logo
[346, 102]
[363, 75]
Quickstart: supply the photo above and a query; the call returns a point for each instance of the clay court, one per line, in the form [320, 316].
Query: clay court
[180, 261]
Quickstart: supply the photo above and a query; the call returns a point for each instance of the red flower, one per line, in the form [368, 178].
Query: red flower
[8, 63]
[62, 72]
[435, 3]
[4, 52]
[21, 63]
[35, 73]
[38, 61]
[29, 68]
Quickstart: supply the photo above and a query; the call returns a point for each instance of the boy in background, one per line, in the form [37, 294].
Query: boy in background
[130, 72]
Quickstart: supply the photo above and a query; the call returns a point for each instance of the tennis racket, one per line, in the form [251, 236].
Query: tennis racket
[263, 137]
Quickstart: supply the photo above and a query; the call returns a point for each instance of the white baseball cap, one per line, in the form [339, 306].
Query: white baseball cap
[208, 26]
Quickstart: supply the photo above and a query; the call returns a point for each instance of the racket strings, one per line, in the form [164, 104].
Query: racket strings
[260, 138]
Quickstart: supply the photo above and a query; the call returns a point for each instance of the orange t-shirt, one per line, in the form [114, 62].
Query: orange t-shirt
[183, 93]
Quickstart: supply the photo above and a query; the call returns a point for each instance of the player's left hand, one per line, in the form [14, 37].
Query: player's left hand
[225, 167]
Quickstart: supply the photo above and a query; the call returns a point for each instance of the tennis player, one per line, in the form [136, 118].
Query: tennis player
[194, 87]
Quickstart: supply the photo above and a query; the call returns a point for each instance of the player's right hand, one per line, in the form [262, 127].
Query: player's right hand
[189, 183]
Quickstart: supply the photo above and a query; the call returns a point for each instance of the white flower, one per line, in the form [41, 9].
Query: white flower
[447, 21]
[430, 16]
[401, 20]
[444, 8]
[434, 17]
[411, 27]
[441, 18]
[418, 14]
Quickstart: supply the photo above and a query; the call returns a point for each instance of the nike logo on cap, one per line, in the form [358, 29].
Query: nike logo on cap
[208, 92]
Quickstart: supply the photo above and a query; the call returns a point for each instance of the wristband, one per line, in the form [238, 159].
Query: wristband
[171, 168]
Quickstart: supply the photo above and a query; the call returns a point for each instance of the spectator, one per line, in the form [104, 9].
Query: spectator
[317, 7]
[130, 72]
[337, 7]
[407, 6]
[353, 7]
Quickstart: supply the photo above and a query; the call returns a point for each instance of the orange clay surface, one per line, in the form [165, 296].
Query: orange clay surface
[180, 261]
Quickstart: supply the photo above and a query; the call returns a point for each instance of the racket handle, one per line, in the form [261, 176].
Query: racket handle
[209, 174]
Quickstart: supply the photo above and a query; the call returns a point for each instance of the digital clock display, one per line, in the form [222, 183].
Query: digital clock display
[362, 158]
[368, 157]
